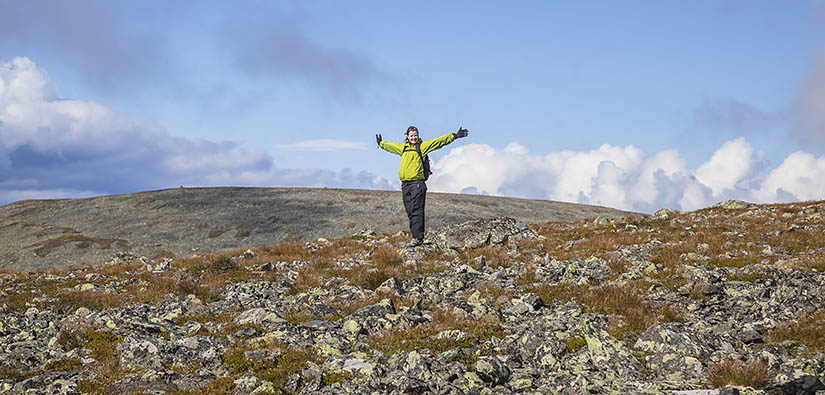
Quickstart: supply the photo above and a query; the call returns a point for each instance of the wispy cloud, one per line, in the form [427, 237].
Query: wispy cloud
[282, 53]
[730, 117]
[809, 107]
[324, 145]
[87, 36]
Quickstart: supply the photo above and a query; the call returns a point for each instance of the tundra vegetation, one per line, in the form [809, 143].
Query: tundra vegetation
[731, 295]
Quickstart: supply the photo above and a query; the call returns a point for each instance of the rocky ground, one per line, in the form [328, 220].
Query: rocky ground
[725, 300]
[179, 222]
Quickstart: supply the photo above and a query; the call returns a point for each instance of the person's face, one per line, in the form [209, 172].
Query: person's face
[412, 136]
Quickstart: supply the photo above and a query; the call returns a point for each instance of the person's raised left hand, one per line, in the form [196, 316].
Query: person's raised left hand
[461, 133]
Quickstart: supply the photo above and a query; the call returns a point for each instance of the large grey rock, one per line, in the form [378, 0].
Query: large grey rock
[474, 234]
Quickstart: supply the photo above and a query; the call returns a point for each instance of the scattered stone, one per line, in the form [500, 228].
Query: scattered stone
[665, 213]
[477, 325]
[733, 204]
[475, 234]
[805, 385]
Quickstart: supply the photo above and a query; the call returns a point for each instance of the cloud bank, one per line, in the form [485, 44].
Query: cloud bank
[66, 148]
[628, 178]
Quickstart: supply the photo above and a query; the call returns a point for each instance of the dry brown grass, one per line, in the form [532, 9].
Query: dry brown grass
[807, 329]
[155, 287]
[70, 300]
[424, 336]
[672, 313]
[370, 277]
[811, 262]
[103, 345]
[563, 292]
[625, 300]
[19, 300]
[730, 238]
[214, 271]
[800, 241]
[617, 265]
[483, 329]
[386, 256]
[385, 263]
[738, 262]
[671, 277]
[341, 247]
[583, 239]
[669, 256]
[118, 269]
[411, 339]
[287, 252]
[528, 276]
[732, 371]
[277, 371]
[493, 293]
[494, 256]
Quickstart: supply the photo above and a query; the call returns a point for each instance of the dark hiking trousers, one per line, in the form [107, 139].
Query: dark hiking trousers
[414, 194]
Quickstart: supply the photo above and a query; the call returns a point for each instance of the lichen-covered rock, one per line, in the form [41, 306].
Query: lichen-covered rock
[259, 316]
[492, 370]
[607, 353]
[575, 271]
[665, 213]
[697, 339]
[676, 368]
[734, 204]
[153, 353]
[804, 385]
[475, 234]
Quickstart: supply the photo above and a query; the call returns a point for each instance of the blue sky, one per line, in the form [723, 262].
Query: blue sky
[636, 105]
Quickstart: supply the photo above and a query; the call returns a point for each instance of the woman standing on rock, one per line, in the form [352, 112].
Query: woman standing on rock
[414, 170]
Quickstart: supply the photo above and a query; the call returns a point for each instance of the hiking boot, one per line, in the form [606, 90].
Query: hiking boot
[415, 242]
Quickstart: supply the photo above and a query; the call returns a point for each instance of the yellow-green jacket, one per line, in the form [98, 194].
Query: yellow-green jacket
[411, 168]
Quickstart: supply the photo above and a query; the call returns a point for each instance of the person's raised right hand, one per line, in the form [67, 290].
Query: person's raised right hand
[378, 139]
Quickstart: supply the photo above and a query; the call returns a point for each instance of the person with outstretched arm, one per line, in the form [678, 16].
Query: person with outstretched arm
[414, 171]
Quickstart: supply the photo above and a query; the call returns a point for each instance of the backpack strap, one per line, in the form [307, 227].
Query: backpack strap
[417, 149]
[424, 163]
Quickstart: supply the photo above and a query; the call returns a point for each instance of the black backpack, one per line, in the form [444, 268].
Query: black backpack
[425, 159]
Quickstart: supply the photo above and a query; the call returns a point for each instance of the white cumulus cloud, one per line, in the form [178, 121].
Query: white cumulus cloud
[628, 178]
[801, 176]
[733, 164]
